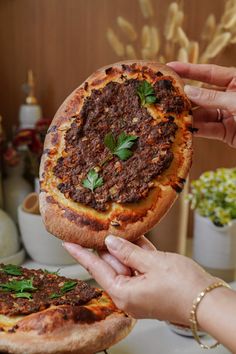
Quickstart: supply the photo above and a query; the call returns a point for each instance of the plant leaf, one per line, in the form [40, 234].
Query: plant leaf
[125, 141]
[110, 142]
[49, 272]
[55, 296]
[146, 93]
[124, 154]
[24, 295]
[12, 269]
[93, 180]
[121, 147]
[18, 285]
[68, 286]
[150, 99]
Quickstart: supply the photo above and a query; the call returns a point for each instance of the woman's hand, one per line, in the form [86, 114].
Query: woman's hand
[144, 282]
[216, 116]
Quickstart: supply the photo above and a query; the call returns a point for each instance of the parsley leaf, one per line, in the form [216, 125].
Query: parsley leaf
[18, 286]
[12, 269]
[49, 272]
[121, 147]
[93, 180]
[24, 295]
[68, 286]
[55, 296]
[110, 141]
[146, 93]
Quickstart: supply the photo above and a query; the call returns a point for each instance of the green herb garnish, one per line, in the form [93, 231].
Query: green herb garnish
[146, 93]
[93, 180]
[12, 269]
[68, 286]
[18, 286]
[55, 296]
[49, 272]
[121, 146]
[24, 295]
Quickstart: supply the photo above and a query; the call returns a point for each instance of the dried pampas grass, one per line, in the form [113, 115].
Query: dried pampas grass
[173, 41]
[115, 43]
[146, 8]
[127, 28]
[217, 45]
[130, 51]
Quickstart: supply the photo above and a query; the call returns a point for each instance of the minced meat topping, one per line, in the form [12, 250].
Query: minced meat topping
[29, 291]
[116, 109]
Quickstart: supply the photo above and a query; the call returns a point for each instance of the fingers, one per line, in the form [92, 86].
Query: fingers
[144, 243]
[211, 74]
[205, 115]
[99, 269]
[210, 130]
[115, 264]
[128, 253]
[211, 98]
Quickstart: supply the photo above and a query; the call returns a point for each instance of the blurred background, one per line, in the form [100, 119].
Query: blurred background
[64, 41]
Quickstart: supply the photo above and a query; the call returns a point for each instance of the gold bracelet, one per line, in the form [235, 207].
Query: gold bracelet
[193, 313]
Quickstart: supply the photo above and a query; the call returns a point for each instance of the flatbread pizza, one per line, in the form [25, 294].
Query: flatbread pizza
[116, 154]
[44, 313]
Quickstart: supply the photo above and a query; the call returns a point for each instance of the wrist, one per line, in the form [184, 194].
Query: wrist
[208, 307]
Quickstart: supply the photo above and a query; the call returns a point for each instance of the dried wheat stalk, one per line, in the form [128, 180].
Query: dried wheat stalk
[146, 8]
[215, 37]
[229, 19]
[216, 46]
[127, 28]
[146, 37]
[130, 51]
[183, 55]
[115, 43]
[171, 20]
[155, 41]
[182, 38]
[193, 52]
[209, 28]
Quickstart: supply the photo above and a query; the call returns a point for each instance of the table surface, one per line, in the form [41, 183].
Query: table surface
[154, 337]
[150, 336]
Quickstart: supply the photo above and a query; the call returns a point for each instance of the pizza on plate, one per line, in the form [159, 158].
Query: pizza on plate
[116, 154]
[44, 313]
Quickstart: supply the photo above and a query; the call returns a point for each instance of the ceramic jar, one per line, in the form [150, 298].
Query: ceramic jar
[215, 247]
[15, 189]
[9, 240]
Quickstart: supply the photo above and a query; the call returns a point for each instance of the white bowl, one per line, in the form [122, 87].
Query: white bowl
[16, 258]
[39, 244]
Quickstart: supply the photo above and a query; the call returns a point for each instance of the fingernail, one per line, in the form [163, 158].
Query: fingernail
[113, 242]
[191, 91]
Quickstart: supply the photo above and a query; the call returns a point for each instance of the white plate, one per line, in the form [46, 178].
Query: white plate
[74, 271]
[17, 258]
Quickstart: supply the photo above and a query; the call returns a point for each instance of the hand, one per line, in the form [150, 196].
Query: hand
[152, 284]
[216, 116]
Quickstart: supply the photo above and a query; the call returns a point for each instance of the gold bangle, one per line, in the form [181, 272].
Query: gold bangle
[193, 313]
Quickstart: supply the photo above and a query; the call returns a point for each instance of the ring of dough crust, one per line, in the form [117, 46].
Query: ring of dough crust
[48, 332]
[74, 222]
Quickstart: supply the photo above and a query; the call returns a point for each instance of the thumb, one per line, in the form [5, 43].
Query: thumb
[129, 254]
[211, 98]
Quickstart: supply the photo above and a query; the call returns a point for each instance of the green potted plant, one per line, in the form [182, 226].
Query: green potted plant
[213, 197]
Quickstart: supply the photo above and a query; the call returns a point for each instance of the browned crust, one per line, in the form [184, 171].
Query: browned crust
[69, 339]
[86, 226]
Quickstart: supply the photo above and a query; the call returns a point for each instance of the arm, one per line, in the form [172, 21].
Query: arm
[215, 113]
[217, 316]
[164, 286]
